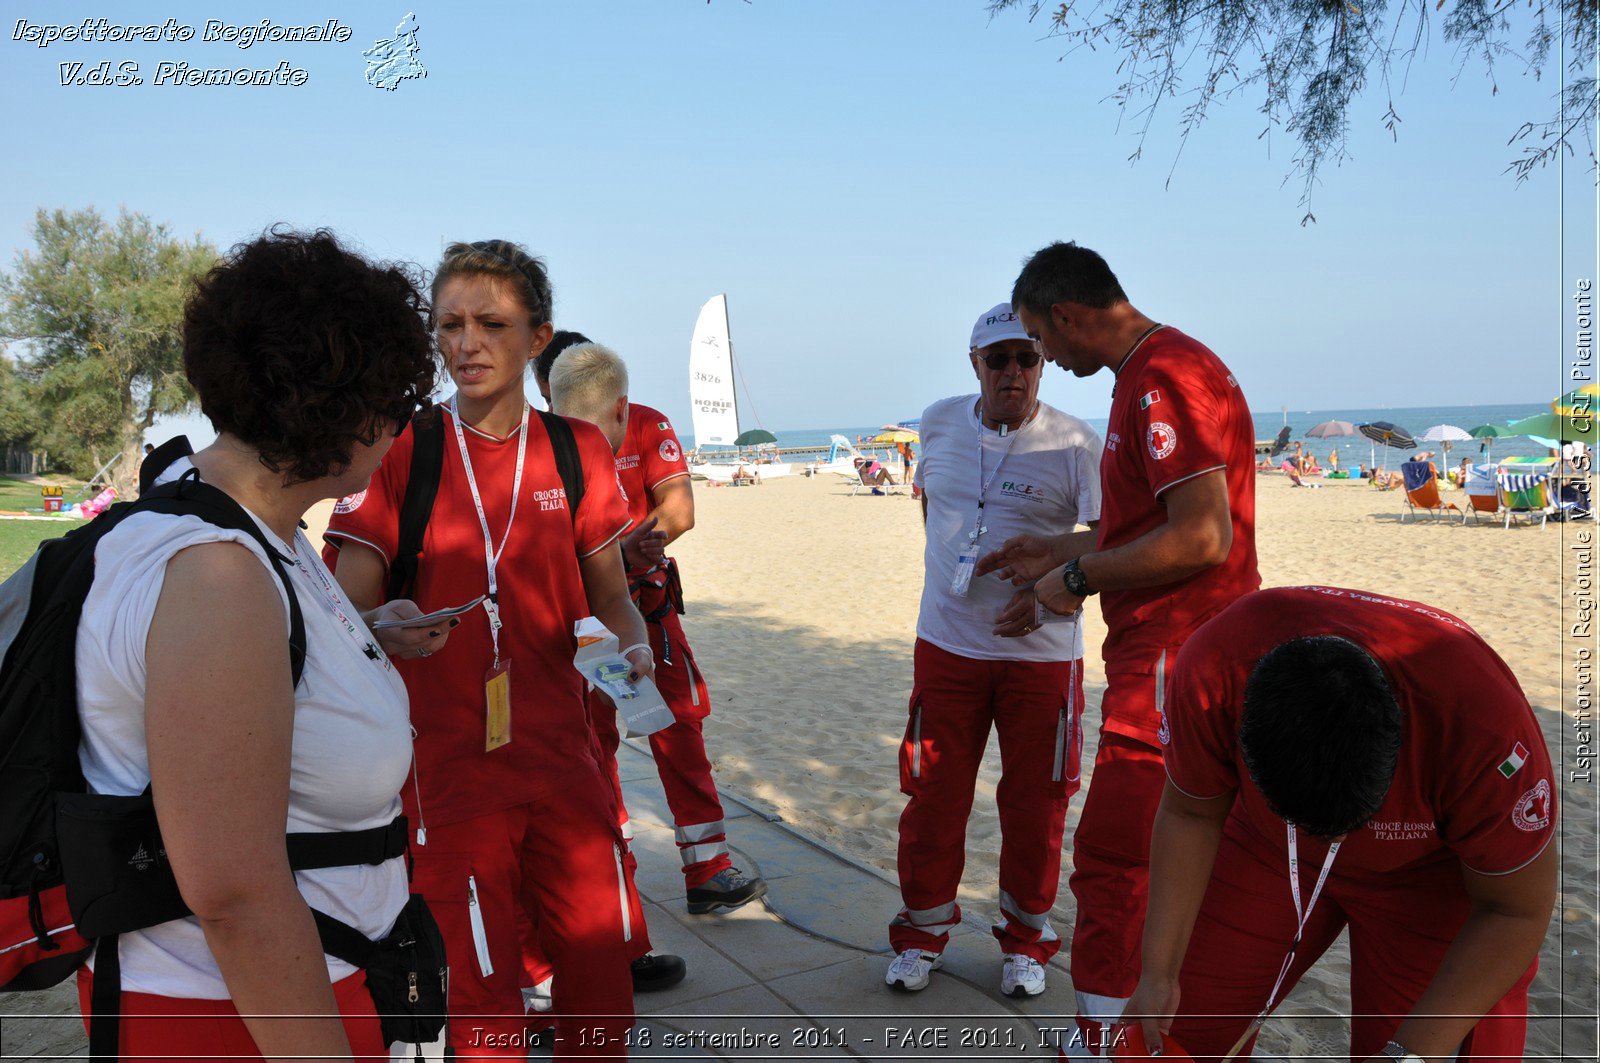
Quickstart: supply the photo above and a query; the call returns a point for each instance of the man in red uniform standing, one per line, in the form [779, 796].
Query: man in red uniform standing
[1381, 752]
[1176, 544]
[654, 476]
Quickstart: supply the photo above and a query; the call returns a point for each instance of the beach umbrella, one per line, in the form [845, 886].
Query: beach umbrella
[1489, 433]
[1330, 429]
[1547, 428]
[1446, 434]
[753, 437]
[895, 434]
[1390, 435]
[1583, 402]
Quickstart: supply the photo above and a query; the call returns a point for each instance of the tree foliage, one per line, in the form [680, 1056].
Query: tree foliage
[93, 315]
[1307, 61]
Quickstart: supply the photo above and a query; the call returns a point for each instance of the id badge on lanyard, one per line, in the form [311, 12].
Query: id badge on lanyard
[967, 557]
[497, 680]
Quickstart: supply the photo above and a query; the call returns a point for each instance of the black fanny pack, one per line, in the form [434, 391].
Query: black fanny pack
[119, 880]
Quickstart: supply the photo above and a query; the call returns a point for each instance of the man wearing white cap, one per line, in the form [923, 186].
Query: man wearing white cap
[994, 465]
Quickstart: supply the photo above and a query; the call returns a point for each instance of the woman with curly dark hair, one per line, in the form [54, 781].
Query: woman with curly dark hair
[521, 819]
[308, 360]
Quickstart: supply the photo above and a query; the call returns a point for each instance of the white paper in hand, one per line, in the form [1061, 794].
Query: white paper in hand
[641, 710]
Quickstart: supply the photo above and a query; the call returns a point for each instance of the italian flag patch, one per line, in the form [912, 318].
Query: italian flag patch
[1513, 764]
[664, 426]
[1150, 399]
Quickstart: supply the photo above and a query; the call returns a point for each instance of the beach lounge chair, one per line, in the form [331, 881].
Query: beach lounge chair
[1524, 493]
[868, 467]
[1422, 490]
[1482, 495]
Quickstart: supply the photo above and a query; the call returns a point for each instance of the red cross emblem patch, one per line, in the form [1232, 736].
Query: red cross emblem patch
[1161, 439]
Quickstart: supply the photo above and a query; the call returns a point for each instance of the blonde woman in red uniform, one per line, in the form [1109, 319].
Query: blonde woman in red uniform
[518, 815]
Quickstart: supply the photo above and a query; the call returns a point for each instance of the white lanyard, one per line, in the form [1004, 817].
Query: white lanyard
[369, 649]
[1302, 916]
[491, 556]
[984, 482]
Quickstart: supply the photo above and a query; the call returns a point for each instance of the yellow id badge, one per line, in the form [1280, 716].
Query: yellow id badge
[497, 698]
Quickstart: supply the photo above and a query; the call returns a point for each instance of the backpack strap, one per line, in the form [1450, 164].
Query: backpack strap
[565, 447]
[158, 460]
[191, 496]
[314, 849]
[422, 487]
[105, 1002]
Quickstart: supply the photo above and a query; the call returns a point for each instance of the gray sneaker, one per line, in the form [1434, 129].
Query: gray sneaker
[726, 889]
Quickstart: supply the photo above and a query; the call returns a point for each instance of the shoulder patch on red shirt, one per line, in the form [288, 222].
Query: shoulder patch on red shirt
[1532, 810]
[669, 449]
[350, 503]
[1161, 439]
[1149, 399]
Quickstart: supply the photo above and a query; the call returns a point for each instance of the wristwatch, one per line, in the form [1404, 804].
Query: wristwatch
[1075, 581]
[1400, 1053]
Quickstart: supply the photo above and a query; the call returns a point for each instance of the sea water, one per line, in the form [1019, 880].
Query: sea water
[1353, 450]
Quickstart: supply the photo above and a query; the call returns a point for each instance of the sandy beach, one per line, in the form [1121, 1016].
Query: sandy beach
[803, 607]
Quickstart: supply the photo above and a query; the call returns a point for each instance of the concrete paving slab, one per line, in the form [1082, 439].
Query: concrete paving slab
[747, 1024]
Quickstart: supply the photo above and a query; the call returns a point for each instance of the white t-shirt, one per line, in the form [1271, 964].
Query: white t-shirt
[351, 746]
[1045, 480]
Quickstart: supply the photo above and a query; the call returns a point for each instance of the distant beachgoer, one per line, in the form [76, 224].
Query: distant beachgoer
[1177, 544]
[983, 660]
[906, 458]
[873, 472]
[1333, 460]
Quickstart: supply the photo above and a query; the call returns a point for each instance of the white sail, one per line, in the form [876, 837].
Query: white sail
[715, 418]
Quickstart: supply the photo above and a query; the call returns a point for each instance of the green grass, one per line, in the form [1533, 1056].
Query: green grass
[19, 538]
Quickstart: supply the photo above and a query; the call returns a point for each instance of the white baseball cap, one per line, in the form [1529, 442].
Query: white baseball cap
[998, 323]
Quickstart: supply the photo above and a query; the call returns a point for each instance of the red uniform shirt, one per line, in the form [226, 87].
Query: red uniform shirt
[1176, 413]
[650, 456]
[1474, 781]
[541, 596]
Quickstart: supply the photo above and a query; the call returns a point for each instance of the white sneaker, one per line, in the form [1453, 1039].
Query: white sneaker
[909, 971]
[1022, 976]
[536, 998]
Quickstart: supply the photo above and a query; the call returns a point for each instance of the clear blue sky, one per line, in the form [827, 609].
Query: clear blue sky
[860, 178]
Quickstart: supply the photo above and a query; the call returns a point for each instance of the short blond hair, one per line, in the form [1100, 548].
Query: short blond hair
[585, 380]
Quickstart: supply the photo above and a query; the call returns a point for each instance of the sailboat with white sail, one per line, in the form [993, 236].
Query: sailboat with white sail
[714, 407]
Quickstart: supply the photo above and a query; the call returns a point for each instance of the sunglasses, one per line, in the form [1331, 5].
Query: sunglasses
[998, 360]
[408, 410]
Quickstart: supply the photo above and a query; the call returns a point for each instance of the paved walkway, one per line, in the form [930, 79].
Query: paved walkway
[796, 976]
[800, 975]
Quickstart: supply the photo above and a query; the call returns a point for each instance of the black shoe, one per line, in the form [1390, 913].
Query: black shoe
[657, 970]
[726, 889]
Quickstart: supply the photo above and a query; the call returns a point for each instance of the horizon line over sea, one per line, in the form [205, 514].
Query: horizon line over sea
[1415, 419]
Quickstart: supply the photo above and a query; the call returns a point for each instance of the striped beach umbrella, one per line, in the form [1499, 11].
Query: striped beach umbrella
[1387, 433]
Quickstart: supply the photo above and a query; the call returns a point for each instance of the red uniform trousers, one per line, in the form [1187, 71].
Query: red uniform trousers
[1111, 859]
[1400, 926]
[680, 754]
[1037, 708]
[559, 860]
[155, 1028]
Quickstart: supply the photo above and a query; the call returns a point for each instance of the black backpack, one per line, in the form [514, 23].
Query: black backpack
[422, 487]
[78, 869]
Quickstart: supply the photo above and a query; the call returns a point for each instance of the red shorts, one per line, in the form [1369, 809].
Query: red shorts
[156, 1028]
